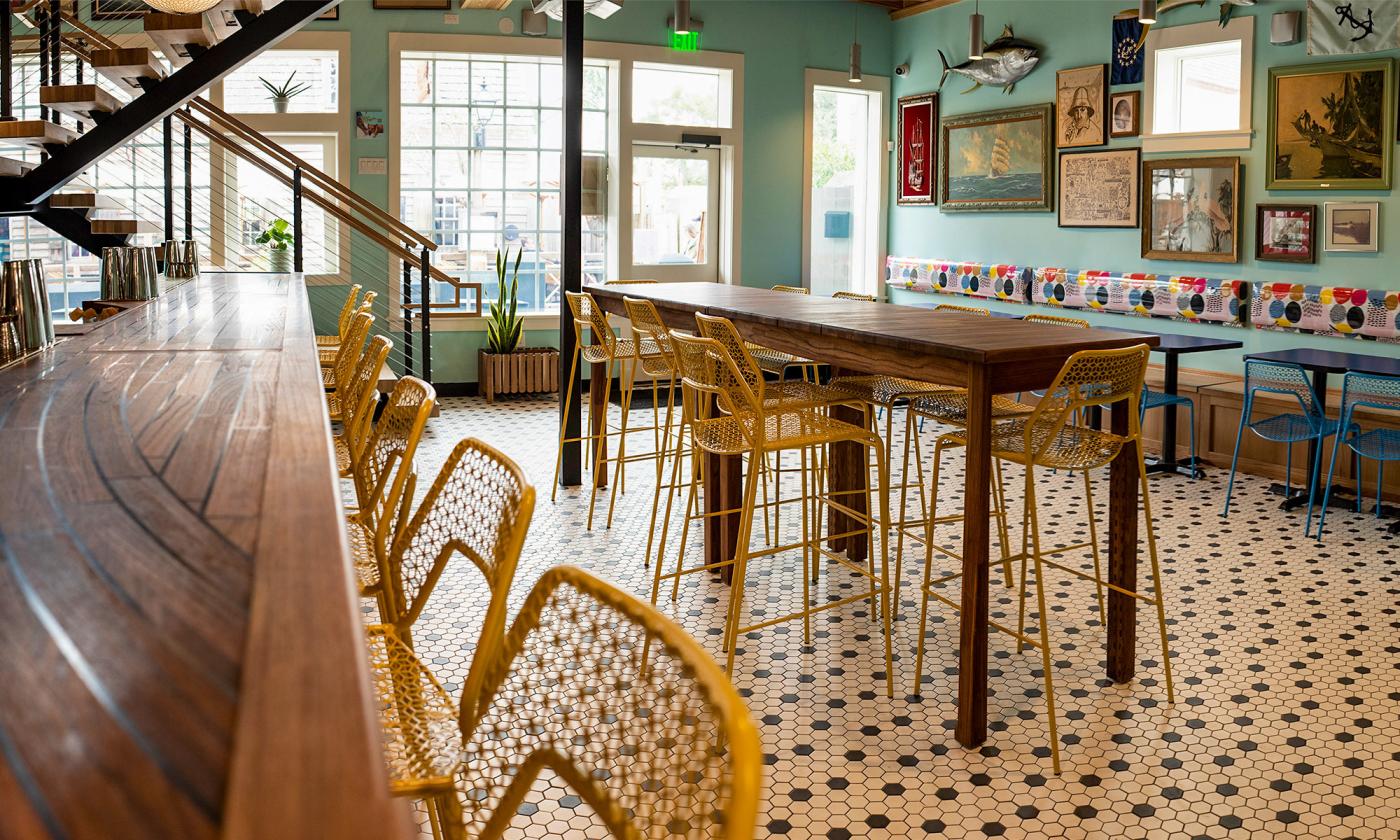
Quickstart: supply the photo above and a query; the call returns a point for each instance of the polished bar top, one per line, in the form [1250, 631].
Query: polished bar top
[180, 649]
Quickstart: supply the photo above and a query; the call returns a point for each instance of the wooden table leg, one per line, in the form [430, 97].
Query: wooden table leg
[598, 420]
[847, 477]
[972, 631]
[724, 490]
[1122, 553]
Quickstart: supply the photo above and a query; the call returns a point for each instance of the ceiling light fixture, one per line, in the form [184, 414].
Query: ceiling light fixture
[597, 8]
[974, 46]
[1147, 11]
[682, 17]
[854, 75]
[183, 7]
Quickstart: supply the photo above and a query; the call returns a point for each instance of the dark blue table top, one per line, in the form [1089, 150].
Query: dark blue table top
[1332, 361]
[1177, 343]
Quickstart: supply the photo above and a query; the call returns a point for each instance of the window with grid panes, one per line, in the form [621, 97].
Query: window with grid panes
[479, 165]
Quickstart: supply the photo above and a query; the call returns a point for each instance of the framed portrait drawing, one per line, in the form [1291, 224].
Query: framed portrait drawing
[918, 148]
[1191, 209]
[119, 9]
[1125, 114]
[1099, 188]
[1286, 233]
[1331, 125]
[1351, 226]
[1081, 106]
[996, 160]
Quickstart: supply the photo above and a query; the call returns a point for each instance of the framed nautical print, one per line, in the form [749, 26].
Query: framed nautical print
[1351, 226]
[997, 160]
[1099, 188]
[1191, 209]
[1286, 233]
[1081, 106]
[1331, 125]
[918, 148]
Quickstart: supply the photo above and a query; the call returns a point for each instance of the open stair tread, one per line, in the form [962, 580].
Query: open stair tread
[124, 66]
[174, 35]
[123, 227]
[79, 101]
[85, 200]
[37, 133]
[11, 168]
[222, 19]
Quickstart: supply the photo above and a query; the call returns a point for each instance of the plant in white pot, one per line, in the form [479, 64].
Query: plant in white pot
[503, 366]
[279, 239]
[282, 94]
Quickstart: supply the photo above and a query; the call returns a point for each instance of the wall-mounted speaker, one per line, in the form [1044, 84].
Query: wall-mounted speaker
[1284, 28]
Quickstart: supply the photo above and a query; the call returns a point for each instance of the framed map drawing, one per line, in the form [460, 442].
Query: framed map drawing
[997, 160]
[918, 148]
[1100, 189]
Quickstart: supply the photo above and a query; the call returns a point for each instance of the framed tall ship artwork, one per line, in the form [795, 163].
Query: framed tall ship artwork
[997, 160]
[1332, 125]
[918, 148]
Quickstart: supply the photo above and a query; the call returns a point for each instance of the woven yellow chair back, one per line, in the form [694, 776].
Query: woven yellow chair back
[479, 507]
[707, 370]
[970, 310]
[367, 303]
[1088, 378]
[589, 316]
[795, 290]
[357, 395]
[724, 331]
[629, 282]
[853, 296]
[347, 310]
[648, 326]
[1061, 320]
[624, 707]
[351, 348]
[386, 464]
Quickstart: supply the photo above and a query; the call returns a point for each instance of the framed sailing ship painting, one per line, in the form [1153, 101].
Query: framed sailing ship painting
[1332, 125]
[997, 160]
[918, 144]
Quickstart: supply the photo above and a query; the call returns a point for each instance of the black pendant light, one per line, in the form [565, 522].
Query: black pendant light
[974, 47]
[1147, 11]
[855, 52]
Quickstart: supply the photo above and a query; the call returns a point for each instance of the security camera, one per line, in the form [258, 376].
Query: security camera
[902, 70]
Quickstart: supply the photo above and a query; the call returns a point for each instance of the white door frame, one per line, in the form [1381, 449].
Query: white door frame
[708, 271]
[877, 202]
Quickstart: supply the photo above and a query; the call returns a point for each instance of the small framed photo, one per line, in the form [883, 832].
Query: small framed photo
[1081, 106]
[1351, 226]
[1124, 114]
[1286, 233]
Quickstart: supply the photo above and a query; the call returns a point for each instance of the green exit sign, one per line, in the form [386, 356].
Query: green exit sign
[687, 42]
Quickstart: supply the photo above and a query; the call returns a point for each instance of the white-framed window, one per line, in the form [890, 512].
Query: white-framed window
[244, 92]
[252, 199]
[679, 94]
[1199, 83]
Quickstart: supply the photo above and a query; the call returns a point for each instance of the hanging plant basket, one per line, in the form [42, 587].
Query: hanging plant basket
[528, 370]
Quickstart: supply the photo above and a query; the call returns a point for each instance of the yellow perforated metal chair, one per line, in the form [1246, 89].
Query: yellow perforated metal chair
[353, 406]
[861, 296]
[328, 355]
[620, 705]
[342, 322]
[957, 307]
[728, 415]
[1047, 438]
[383, 479]
[347, 355]
[1061, 320]
[776, 362]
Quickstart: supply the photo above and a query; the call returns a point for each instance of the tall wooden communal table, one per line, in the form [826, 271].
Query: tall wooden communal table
[950, 348]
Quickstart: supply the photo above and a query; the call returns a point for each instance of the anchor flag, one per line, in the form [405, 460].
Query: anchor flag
[1346, 27]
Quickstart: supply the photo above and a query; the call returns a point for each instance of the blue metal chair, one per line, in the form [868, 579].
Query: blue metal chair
[1311, 424]
[1365, 390]
[1159, 399]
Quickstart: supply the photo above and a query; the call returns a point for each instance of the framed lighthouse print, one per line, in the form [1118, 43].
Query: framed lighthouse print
[918, 147]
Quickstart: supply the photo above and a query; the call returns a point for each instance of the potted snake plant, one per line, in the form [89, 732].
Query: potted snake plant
[503, 366]
[281, 95]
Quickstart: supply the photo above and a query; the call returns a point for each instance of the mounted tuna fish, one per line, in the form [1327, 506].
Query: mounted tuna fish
[1004, 62]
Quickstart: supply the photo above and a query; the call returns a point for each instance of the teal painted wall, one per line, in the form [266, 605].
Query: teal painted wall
[778, 38]
[1073, 33]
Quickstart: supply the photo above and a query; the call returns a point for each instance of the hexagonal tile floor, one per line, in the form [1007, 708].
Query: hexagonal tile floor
[1286, 657]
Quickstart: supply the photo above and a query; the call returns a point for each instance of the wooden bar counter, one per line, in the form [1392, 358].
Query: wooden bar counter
[180, 652]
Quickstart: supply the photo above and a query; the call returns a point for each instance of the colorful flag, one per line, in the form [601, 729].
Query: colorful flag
[1345, 27]
[1127, 51]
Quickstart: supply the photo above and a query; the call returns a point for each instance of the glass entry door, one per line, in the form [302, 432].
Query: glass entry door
[675, 214]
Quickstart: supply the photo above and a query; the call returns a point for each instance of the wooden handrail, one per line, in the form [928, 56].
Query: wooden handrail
[329, 205]
[363, 205]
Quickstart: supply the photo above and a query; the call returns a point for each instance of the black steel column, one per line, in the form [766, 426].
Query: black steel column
[7, 60]
[41, 17]
[169, 168]
[407, 313]
[425, 328]
[296, 220]
[571, 466]
[189, 182]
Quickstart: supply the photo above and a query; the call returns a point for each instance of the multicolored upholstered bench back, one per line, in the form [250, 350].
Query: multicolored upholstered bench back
[993, 282]
[1372, 314]
[1199, 299]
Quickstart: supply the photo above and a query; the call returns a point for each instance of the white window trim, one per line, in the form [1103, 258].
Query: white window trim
[1207, 32]
[814, 78]
[629, 133]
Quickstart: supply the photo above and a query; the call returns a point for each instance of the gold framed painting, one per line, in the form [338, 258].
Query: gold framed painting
[997, 160]
[1081, 106]
[1332, 125]
[1191, 209]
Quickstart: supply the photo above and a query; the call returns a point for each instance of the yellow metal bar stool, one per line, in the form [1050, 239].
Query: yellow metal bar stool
[1047, 438]
[776, 362]
[968, 310]
[479, 507]
[353, 405]
[860, 296]
[648, 328]
[619, 355]
[728, 416]
[328, 355]
[342, 323]
[347, 355]
[383, 480]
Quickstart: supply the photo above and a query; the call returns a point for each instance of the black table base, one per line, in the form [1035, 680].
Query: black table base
[1189, 467]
